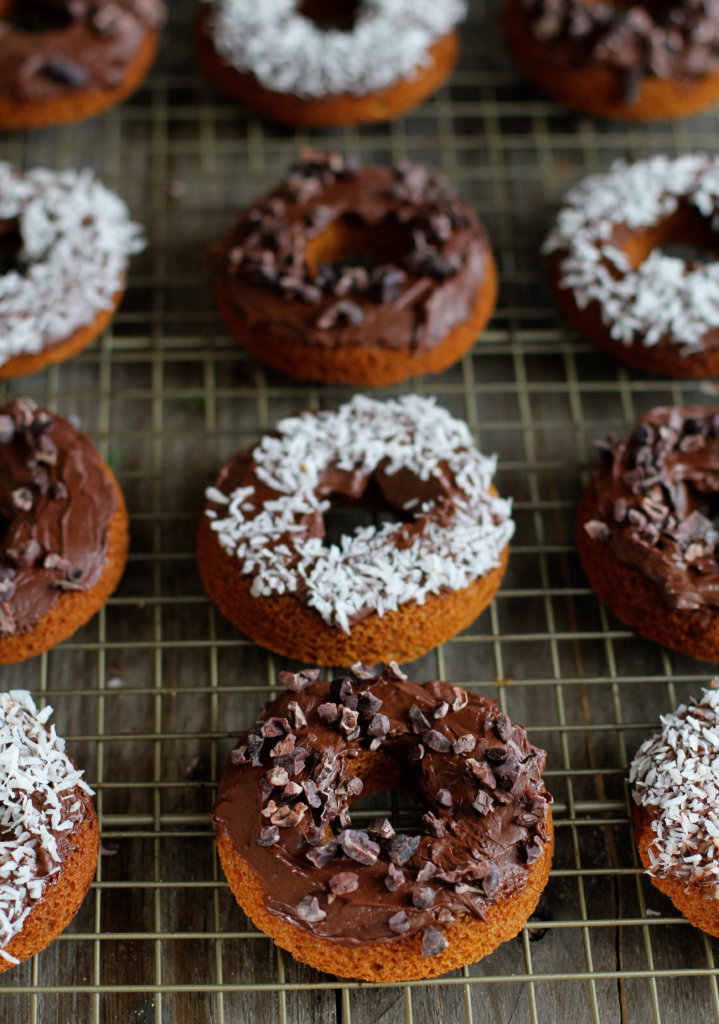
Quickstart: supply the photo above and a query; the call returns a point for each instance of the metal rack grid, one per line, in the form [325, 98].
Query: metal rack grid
[159, 679]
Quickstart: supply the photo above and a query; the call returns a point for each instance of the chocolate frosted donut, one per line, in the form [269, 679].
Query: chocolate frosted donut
[639, 62]
[645, 529]
[389, 591]
[63, 545]
[324, 62]
[360, 275]
[50, 838]
[65, 60]
[675, 779]
[65, 243]
[648, 308]
[373, 903]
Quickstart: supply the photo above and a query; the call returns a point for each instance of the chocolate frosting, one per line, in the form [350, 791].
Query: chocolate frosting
[56, 503]
[655, 496]
[667, 40]
[285, 792]
[411, 299]
[50, 48]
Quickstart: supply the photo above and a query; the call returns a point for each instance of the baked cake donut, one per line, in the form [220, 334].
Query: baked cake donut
[319, 62]
[649, 308]
[645, 533]
[65, 243]
[50, 838]
[373, 903]
[64, 541]
[66, 60]
[359, 275]
[675, 780]
[638, 62]
[386, 591]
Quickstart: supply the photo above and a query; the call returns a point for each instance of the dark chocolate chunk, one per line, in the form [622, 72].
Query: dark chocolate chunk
[363, 672]
[436, 741]
[433, 942]
[461, 698]
[423, 898]
[293, 761]
[427, 871]
[402, 848]
[368, 704]
[348, 721]
[399, 922]
[308, 909]
[379, 726]
[328, 713]
[483, 803]
[464, 744]
[503, 725]
[508, 773]
[344, 882]
[441, 710]
[298, 716]
[358, 846]
[298, 681]
[311, 792]
[341, 689]
[420, 723]
[285, 746]
[269, 835]
[394, 878]
[322, 855]
[444, 798]
[394, 672]
[274, 727]
[496, 754]
[381, 828]
[432, 825]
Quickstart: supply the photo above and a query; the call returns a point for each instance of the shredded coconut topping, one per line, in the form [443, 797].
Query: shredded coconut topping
[676, 776]
[38, 799]
[76, 239]
[289, 53]
[368, 570]
[664, 298]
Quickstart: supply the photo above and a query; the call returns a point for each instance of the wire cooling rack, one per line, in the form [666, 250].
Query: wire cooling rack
[152, 693]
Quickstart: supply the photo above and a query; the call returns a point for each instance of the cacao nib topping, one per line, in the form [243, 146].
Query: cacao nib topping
[419, 722]
[441, 710]
[344, 882]
[402, 848]
[393, 671]
[341, 689]
[329, 713]
[394, 878]
[399, 922]
[363, 673]
[381, 828]
[497, 754]
[301, 834]
[269, 835]
[298, 681]
[358, 846]
[308, 909]
[433, 942]
[464, 744]
[460, 699]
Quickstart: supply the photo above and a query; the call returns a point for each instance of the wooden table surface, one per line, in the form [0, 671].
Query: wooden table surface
[157, 686]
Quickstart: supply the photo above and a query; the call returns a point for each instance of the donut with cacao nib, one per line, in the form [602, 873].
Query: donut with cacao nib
[645, 534]
[66, 60]
[64, 539]
[392, 589]
[358, 275]
[650, 308]
[644, 62]
[50, 837]
[675, 785]
[376, 903]
[65, 244]
[328, 62]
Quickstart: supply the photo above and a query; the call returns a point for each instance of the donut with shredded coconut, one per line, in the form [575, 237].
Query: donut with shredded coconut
[50, 838]
[319, 62]
[62, 61]
[65, 245]
[675, 780]
[355, 274]
[651, 309]
[388, 591]
[637, 62]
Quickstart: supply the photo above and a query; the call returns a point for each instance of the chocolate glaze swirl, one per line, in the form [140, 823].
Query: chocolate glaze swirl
[50, 48]
[407, 299]
[651, 492]
[284, 796]
[56, 504]
[668, 40]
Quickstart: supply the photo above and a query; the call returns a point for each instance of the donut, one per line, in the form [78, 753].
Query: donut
[319, 62]
[67, 60]
[392, 590]
[638, 62]
[645, 534]
[651, 309]
[65, 243]
[357, 275]
[374, 903]
[675, 785]
[64, 541]
[50, 840]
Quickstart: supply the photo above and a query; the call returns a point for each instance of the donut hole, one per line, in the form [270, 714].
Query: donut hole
[330, 15]
[10, 246]
[398, 804]
[684, 235]
[348, 242]
[347, 514]
[34, 15]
